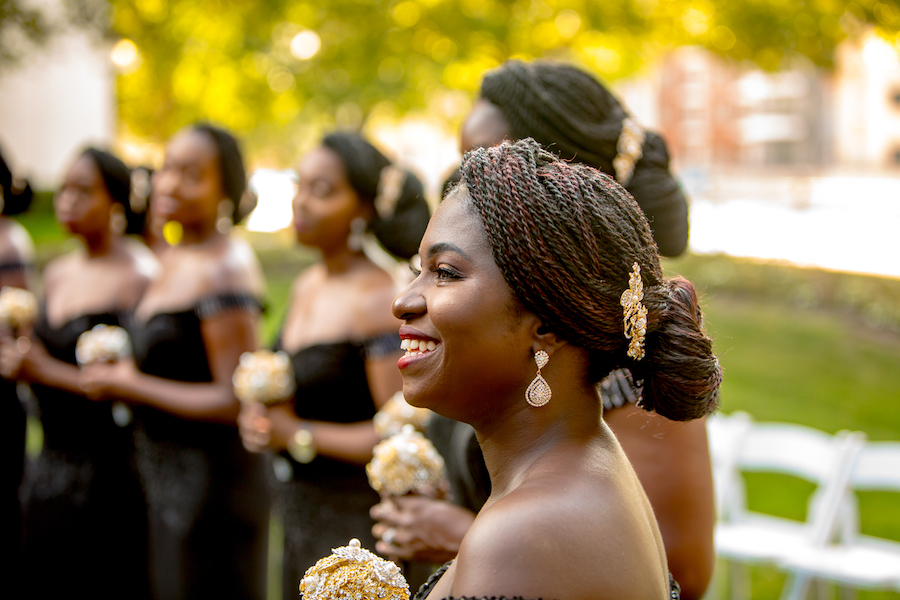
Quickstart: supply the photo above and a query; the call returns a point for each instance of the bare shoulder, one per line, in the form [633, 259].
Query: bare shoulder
[235, 267]
[547, 541]
[15, 243]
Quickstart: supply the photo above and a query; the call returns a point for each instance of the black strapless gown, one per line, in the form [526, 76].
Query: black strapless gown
[12, 434]
[207, 500]
[325, 503]
[84, 517]
[425, 590]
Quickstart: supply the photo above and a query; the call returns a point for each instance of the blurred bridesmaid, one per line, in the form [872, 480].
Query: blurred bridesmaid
[16, 270]
[84, 517]
[207, 496]
[343, 343]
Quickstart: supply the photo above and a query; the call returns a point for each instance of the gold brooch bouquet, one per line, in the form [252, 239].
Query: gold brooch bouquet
[105, 344]
[264, 377]
[404, 463]
[396, 413]
[18, 308]
[353, 572]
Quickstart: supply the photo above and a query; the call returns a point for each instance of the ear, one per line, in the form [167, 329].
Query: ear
[543, 338]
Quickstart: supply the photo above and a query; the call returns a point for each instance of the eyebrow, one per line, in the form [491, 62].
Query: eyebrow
[446, 247]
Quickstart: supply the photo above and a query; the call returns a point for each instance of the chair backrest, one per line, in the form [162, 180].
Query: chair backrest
[815, 456]
[875, 467]
[726, 435]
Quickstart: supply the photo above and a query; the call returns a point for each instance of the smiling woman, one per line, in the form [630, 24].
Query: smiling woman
[531, 271]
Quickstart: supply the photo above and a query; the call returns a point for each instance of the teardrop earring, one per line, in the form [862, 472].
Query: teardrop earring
[539, 393]
[224, 213]
[357, 232]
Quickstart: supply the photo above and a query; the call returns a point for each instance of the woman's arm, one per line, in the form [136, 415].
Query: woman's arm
[673, 464]
[26, 359]
[272, 428]
[226, 336]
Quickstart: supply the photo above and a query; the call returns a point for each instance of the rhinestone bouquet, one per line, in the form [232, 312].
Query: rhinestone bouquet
[404, 462]
[18, 307]
[105, 344]
[396, 413]
[353, 572]
[264, 377]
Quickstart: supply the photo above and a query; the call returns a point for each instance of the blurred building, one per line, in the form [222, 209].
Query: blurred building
[714, 113]
[60, 98]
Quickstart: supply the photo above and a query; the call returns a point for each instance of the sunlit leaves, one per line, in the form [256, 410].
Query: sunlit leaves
[277, 71]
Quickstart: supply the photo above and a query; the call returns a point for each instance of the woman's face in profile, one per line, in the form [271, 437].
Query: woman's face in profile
[188, 187]
[83, 204]
[484, 127]
[467, 338]
[325, 203]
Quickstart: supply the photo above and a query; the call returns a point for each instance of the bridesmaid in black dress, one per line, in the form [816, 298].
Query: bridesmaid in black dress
[343, 344]
[84, 518]
[16, 270]
[206, 494]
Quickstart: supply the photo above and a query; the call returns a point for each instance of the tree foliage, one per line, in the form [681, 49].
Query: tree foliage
[231, 61]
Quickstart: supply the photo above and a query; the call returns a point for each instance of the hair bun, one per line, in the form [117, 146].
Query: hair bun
[680, 374]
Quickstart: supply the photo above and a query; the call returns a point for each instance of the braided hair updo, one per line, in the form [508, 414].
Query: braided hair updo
[565, 237]
[117, 179]
[401, 229]
[568, 111]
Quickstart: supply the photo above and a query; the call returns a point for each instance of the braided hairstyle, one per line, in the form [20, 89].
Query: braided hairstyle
[231, 169]
[401, 231]
[565, 237]
[568, 111]
[117, 180]
[15, 194]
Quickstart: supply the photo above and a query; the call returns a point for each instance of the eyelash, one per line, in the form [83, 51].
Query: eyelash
[443, 273]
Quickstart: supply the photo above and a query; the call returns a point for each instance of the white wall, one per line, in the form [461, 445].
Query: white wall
[57, 100]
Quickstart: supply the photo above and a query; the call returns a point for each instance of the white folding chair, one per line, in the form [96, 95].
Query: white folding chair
[860, 560]
[726, 434]
[745, 536]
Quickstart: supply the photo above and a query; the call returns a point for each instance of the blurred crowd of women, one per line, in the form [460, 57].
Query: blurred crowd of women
[153, 480]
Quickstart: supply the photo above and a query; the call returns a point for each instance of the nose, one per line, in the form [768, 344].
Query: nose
[163, 182]
[410, 303]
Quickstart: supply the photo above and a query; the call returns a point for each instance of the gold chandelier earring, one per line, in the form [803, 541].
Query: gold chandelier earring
[539, 393]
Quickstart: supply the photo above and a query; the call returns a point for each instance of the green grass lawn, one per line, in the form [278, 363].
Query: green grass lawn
[812, 359]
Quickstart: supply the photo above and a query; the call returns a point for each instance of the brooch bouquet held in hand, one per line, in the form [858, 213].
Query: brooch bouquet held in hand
[105, 344]
[264, 377]
[18, 307]
[353, 572]
[403, 463]
[396, 413]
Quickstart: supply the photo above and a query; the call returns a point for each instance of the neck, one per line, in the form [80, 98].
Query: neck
[101, 244]
[339, 260]
[520, 437]
[198, 234]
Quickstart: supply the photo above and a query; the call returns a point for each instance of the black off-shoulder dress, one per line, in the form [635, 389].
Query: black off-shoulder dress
[326, 502]
[84, 518]
[425, 590]
[206, 495]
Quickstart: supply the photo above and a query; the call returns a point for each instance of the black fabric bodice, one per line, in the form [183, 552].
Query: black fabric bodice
[206, 494]
[422, 594]
[84, 516]
[71, 422]
[170, 345]
[332, 387]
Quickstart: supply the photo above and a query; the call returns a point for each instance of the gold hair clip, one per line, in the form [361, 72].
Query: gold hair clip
[629, 149]
[635, 314]
[390, 186]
